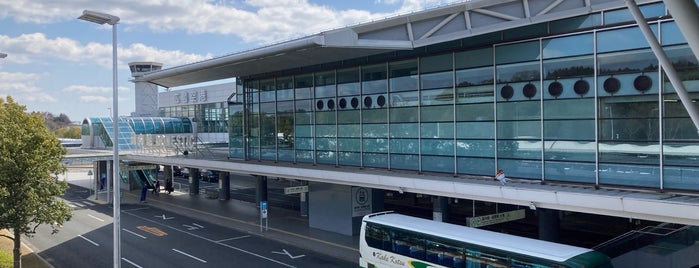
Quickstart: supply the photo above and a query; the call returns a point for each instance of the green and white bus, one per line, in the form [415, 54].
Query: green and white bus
[393, 240]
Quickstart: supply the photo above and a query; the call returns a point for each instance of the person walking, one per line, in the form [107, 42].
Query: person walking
[500, 176]
[144, 192]
[156, 189]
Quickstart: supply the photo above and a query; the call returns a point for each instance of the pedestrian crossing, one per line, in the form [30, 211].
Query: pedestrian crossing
[81, 203]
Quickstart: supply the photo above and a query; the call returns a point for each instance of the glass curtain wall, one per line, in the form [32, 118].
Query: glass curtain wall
[627, 90]
[584, 107]
[569, 108]
[326, 117]
[304, 118]
[349, 127]
[475, 116]
[680, 139]
[518, 108]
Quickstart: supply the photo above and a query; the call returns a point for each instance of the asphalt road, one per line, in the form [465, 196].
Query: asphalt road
[153, 237]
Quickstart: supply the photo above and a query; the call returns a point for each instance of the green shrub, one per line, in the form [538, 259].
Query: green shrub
[5, 259]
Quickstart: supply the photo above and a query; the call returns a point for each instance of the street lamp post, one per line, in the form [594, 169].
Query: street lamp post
[102, 18]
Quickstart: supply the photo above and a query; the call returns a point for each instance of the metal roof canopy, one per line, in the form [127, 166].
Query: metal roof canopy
[402, 32]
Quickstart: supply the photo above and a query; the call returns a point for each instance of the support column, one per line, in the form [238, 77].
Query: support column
[261, 189]
[303, 200]
[440, 208]
[377, 196]
[167, 176]
[224, 186]
[194, 177]
[549, 224]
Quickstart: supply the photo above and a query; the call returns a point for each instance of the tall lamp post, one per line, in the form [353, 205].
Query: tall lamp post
[102, 18]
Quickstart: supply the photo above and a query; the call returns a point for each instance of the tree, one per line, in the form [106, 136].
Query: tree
[30, 161]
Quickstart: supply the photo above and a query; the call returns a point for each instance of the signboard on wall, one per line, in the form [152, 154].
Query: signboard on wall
[361, 201]
[495, 218]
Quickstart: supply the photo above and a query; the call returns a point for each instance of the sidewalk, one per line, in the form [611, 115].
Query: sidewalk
[285, 226]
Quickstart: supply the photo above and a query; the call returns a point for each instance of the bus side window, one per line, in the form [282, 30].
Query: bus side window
[377, 237]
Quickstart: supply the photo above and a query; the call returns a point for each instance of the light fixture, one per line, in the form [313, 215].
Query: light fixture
[532, 206]
[102, 18]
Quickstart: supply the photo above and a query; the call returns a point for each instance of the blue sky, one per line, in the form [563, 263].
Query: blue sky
[59, 64]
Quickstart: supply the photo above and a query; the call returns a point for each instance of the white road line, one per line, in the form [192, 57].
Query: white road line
[130, 262]
[135, 209]
[94, 217]
[232, 238]
[188, 255]
[88, 240]
[133, 233]
[211, 240]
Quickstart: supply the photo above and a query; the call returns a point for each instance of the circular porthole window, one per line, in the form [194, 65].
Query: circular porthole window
[331, 104]
[343, 103]
[507, 92]
[642, 83]
[319, 105]
[355, 103]
[556, 89]
[367, 102]
[581, 87]
[381, 101]
[529, 90]
[612, 85]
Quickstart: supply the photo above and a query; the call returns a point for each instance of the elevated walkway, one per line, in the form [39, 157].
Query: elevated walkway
[626, 203]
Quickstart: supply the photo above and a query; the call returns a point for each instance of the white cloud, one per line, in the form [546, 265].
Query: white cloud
[22, 87]
[98, 99]
[36, 47]
[257, 21]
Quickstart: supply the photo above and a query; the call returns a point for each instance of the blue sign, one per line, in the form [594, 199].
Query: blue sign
[263, 205]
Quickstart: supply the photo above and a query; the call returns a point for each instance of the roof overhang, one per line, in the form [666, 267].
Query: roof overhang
[655, 206]
[403, 32]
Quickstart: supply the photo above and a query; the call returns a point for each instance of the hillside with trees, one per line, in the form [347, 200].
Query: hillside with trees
[60, 125]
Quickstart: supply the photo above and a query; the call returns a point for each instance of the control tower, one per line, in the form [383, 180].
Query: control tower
[146, 94]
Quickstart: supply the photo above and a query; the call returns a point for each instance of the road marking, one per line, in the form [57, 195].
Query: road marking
[133, 233]
[130, 262]
[152, 230]
[188, 255]
[288, 254]
[88, 240]
[195, 227]
[232, 238]
[89, 215]
[164, 217]
[135, 209]
[212, 241]
[253, 223]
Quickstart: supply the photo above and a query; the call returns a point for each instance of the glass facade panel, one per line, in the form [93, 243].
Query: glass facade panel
[550, 108]
[374, 79]
[403, 76]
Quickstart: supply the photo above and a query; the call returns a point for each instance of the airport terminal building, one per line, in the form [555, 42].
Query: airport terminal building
[569, 98]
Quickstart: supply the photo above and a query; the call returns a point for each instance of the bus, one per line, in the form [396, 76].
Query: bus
[390, 239]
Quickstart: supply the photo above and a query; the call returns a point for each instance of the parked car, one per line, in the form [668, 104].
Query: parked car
[209, 175]
[176, 171]
[185, 172]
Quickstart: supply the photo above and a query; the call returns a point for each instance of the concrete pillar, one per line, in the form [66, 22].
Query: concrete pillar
[167, 177]
[377, 196]
[549, 224]
[261, 189]
[224, 186]
[440, 208]
[194, 177]
[303, 202]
